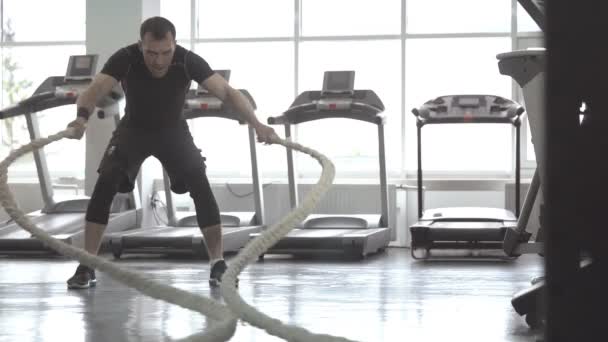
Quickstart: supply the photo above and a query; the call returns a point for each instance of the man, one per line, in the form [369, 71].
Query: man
[156, 74]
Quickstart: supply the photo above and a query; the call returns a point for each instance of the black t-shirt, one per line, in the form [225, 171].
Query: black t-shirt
[155, 102]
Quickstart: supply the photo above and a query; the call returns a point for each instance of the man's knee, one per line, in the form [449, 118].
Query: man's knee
[207, 210]
[195, 182]
[107, 186]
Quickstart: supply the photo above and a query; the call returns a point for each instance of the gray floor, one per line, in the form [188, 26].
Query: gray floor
[388, 297]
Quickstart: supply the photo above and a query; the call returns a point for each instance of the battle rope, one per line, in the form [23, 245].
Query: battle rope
[225, 328]
[261, 244]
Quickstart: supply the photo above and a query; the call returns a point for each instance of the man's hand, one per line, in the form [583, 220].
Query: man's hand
[78, 126]
[266, 134]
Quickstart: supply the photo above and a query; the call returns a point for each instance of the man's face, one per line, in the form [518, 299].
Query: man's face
[158, 54]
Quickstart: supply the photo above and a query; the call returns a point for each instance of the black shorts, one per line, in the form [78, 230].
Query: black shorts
[173, 146]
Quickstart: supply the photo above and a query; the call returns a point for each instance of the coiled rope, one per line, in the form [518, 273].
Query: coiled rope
[236, 308]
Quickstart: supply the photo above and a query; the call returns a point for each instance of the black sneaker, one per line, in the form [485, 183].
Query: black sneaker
[217, 271]
[83, 278]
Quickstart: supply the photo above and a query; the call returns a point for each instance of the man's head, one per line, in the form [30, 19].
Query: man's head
[157, 44]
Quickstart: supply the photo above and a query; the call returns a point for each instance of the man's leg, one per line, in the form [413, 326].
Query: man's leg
[97, 216]
[124, 155]
[186, 168]
[207, 213]
[214, 241]
[208, 217]
[93, 233]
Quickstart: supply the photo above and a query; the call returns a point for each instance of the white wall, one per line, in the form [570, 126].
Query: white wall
[111, 25]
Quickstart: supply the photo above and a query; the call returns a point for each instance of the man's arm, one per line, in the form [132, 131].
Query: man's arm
[85, 103]
[218, 86]
[101, 86]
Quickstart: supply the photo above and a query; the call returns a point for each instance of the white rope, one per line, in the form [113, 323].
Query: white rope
[225, 328]
[267, 239]
[204, 305]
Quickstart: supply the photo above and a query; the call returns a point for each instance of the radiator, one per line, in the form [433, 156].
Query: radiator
[340, 199]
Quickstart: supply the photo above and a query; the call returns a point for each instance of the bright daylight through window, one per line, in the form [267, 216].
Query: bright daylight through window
[287, 49]
[23, 46]
[275, 59]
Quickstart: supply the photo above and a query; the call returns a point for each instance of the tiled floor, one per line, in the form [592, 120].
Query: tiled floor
[388, 297]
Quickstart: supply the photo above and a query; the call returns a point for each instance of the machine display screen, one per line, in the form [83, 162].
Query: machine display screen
[339, 81]
[81, 66]
[468, 101]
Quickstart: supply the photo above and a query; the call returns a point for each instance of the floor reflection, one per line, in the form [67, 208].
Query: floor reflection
[385, 298]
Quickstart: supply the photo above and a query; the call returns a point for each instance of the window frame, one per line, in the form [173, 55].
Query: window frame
[29, 176]
[405, 172]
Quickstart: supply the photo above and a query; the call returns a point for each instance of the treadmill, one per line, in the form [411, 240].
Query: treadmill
[63, 219]
[182, 235]
[477, 230]
[527, 67]
[351, 236]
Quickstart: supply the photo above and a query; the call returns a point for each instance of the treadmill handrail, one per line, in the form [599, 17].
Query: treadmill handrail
[223, 112]
[29, 108]
[310, 112]
[509, 111]
[37, 97]
[362, 104]
[45, 97]
[463, 219]
[22, 106]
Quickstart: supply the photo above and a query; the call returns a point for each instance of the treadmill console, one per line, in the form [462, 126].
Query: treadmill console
[203, 100]
[81, 67]
[468, 109]
[337, 99]
[56, 91]
[338, 82]
[337, 92]
[200, 103]
[80, 73]
[81, 70]
[522, 65]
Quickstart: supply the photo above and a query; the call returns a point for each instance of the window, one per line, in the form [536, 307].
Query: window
[470, 67]
[245, 18]
[350, 17]
[65, 158]
[465, 16]
[264, 69]
[29, 20]
[448, 47]
[35, 46]
[178, 12]
[524, 22]
[353, 145]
